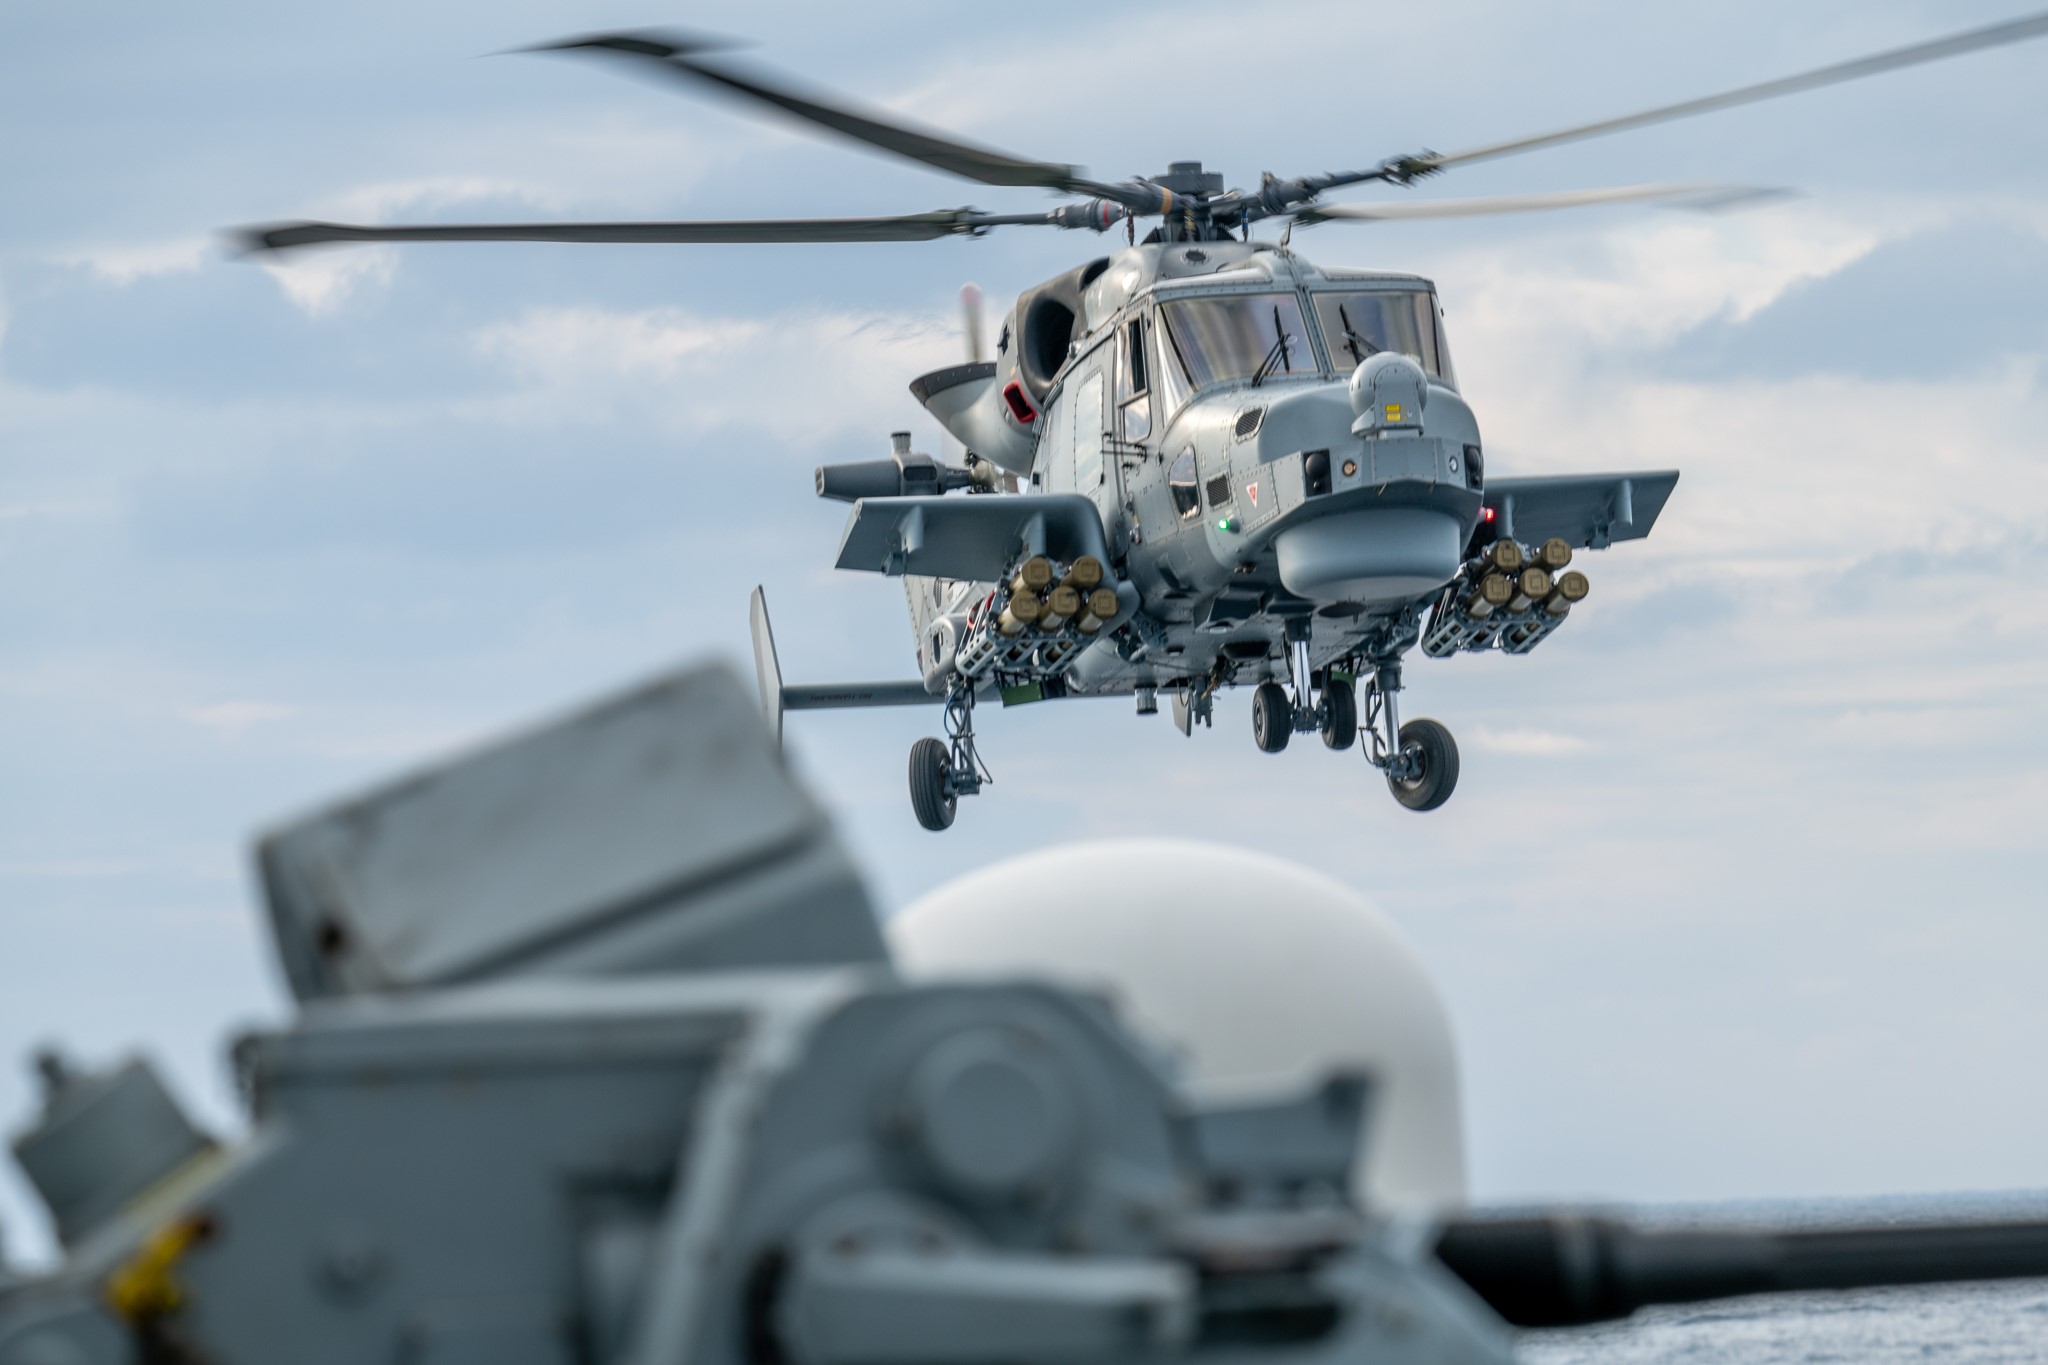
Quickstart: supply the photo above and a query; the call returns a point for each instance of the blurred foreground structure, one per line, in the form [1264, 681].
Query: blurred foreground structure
[602, 1057]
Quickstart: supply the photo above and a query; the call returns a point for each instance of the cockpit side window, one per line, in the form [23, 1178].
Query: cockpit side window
[1181, 483]
[1358, 323]
[1171, 382]
[1238, 336]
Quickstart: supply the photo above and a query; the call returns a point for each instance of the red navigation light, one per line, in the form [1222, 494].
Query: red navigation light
[1486, 514]
[1020, 406]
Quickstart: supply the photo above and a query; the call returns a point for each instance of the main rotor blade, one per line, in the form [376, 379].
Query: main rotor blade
[915, 227]
[1994, 35]
[676, 55]
[1705, 198]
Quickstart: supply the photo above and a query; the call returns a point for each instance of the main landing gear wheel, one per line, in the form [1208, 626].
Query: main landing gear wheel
[1339, 714]
[1430, 757]
[931, 795]
[1272, 717]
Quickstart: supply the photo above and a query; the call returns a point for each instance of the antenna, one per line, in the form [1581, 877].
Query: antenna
[970, 321]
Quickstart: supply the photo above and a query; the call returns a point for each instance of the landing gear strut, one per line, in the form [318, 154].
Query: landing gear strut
[1420, 759]
[1309, 702]
[944, 770]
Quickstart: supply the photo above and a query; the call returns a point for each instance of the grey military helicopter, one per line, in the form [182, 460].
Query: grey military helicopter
[1196, 463]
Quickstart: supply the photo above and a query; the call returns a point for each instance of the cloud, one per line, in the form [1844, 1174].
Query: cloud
[1787, 475]
[1525, 743]
[70, 869]
[1898, 312]
[801, 377]
[125, 264]
[236, 716]
[321, 281]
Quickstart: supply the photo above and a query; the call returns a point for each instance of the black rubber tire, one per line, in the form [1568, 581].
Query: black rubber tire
[1272, 717]
[930, 761]
[1433, 786]
[1340, 715]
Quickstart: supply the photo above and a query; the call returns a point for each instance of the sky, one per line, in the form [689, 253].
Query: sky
[1741, 894]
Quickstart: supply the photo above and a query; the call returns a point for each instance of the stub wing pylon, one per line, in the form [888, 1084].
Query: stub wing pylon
[1590, 511]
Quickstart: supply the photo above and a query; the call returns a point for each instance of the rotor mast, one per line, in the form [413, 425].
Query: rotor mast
[1185, 214]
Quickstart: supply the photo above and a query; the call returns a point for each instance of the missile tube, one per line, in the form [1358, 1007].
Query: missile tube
[1503, 556]
[1062, 605]
[1571, 587]
[1099, 608]
[1531, 587]
[1553, 554]
[1494, 592]
[1033, 576]
[1023, 610]
[1085, 576]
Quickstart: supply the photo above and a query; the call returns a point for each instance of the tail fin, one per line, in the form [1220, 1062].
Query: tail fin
[776, 699]
[767, 668]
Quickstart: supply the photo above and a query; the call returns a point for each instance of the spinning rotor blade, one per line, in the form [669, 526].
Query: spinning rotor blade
[916, 227]
[1702, 198]
[1995, 35]
[676, 55]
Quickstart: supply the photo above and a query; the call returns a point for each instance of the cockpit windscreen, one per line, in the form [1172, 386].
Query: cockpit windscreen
[1238, 336]
[1358, 323]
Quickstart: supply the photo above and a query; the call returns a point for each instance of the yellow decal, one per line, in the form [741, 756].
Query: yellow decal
[1393, 412]
[146, 1286]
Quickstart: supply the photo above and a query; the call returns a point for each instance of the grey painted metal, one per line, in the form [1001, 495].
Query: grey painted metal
[845, 696]
[570, 849]
[968, 538]
[1591, 511]
[101, 1141]
[727, 1159]
[778, 697]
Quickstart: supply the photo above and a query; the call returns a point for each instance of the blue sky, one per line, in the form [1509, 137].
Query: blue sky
[1741, 894]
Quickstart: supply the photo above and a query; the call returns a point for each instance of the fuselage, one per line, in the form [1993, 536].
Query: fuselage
[1201, 396]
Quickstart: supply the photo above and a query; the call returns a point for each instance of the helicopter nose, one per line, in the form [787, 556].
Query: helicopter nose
[1373, 554]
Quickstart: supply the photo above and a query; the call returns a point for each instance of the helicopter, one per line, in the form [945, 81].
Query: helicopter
[1196, 463]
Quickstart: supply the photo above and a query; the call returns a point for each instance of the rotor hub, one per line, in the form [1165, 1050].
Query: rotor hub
[1188, 177]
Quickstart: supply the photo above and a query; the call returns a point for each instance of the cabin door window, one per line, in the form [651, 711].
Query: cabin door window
[1134, 383]
[1088, 433]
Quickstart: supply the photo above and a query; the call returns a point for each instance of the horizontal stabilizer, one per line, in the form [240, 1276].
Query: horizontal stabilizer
[845, 696]
[975, 538]
[778, 696]
[1592, 511]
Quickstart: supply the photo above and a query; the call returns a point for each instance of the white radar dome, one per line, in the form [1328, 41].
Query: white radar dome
[1260, 976]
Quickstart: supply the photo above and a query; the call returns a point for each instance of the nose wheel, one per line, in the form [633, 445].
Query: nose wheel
[944, 770]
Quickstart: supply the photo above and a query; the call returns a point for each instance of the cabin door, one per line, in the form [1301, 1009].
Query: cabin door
[1098, 474]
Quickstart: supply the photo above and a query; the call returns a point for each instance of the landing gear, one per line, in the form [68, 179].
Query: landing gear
[1338, 712]
[1272, 717]
[944, 770]
[930, 794]
[1430, 760]
[1420, 759]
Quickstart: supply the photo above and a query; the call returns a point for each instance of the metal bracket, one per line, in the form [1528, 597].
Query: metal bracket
[967, 773]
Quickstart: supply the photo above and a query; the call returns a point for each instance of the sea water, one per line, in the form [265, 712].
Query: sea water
[1972, 1323]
